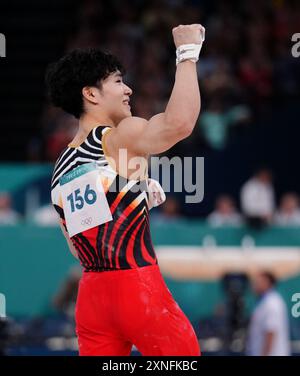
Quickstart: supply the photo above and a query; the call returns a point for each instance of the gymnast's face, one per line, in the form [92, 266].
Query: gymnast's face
[114, 97]
[110, 99]
[260, 284]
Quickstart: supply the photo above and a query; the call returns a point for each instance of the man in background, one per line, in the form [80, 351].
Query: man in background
[258, 199]
[288, 213]
[269, 326]
[225, 213]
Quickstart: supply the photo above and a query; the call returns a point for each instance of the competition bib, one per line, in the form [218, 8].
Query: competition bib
[84, 201]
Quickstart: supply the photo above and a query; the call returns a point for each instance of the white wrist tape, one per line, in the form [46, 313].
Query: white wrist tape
[190, 51]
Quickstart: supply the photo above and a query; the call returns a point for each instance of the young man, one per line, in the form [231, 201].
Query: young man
[100, 189]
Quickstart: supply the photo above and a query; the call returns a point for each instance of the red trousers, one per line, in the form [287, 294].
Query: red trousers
[116, 309]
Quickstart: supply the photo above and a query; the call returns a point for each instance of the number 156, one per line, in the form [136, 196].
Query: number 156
[77, 201]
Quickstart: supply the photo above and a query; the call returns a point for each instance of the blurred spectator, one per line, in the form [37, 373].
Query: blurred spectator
[256, 73]
[257, 199]
[3, 336]
[46, 216]
[235, 285]
[65, 299]
[289, 211]
[169, 211]
[60, 129]
[269, 326]
[225, 213]
[7, 215]
[215, 122]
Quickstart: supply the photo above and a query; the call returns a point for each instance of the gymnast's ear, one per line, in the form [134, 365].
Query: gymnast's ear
[91, 94]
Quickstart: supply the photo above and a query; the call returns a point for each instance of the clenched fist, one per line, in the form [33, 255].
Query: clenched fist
[188, 34]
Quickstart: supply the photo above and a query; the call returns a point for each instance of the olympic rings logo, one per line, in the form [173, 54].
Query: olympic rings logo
[86, 221]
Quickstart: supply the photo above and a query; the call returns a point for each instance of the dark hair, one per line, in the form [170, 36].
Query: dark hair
[66, 78]
[270, 277]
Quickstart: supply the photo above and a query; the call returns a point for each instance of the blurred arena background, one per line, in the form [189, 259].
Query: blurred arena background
[248, 132]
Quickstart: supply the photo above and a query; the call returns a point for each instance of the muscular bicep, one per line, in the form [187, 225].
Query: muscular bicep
[160, 135]
[144, 137]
